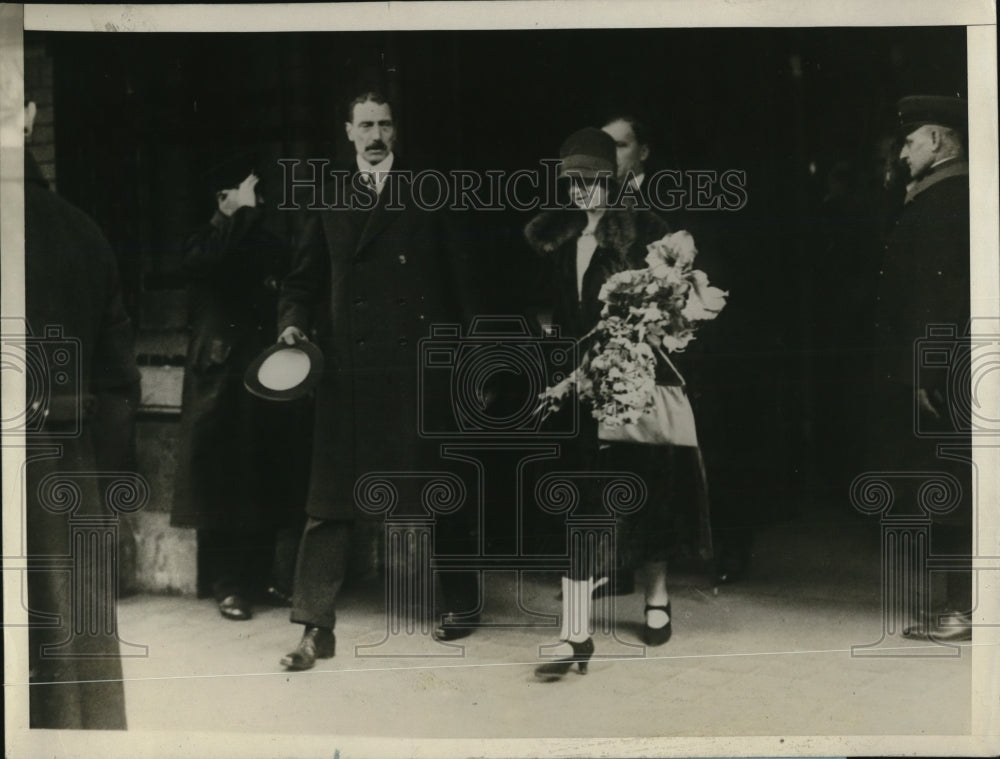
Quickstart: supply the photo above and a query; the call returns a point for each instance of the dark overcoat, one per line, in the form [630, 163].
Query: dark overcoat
[369, 285]
[622, 237]
[240, 460]
[86, 387]
[924, 280]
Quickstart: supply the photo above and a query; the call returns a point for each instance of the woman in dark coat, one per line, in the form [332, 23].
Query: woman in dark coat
[241, 469]
[585, 246]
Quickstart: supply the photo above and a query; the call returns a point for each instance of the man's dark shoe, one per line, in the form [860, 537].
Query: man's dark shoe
[316, 643]
[947, 628]
[235, 607]
[451, 629]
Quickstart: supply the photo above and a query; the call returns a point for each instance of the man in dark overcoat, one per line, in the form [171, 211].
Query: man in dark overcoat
[372, 275]
[242, 461]
[924, 281]
[82, 400]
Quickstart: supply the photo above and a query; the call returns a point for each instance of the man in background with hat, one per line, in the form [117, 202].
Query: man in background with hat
[242, 460]
[924, 281]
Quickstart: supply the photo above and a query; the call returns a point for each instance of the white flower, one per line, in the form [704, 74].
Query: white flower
[704, 301]
[675, 249]
[682, 245]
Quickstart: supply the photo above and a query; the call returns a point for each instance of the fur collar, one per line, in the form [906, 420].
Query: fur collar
[548, 231]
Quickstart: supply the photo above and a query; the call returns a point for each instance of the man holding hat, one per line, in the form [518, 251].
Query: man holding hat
[924, 281]
[371, 277]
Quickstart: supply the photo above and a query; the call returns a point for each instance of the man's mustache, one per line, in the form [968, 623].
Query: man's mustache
[377, 145]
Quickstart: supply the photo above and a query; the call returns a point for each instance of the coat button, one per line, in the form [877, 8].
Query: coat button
[402, 259]
[402, 341]
[360, 342]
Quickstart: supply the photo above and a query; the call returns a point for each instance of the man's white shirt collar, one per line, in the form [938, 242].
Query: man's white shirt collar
[379, 170]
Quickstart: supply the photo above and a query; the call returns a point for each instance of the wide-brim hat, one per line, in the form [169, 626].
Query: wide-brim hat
[285, 372]
[915, 111]
[588, 154]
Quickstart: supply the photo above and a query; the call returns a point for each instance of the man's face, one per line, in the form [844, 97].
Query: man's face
[631, 155]
[919, 153]
[372, 131]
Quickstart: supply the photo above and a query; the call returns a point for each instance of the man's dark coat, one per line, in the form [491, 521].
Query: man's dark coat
[240, 462]
[370, 284]
[87, 393]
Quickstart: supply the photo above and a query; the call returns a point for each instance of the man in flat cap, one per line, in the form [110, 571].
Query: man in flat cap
[924, 282]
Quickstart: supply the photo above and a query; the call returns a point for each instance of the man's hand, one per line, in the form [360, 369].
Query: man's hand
[292, 335]
[246, 193]
[233, 199]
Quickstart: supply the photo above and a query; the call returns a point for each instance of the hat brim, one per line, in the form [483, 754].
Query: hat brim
[585, 174]
[284, 372]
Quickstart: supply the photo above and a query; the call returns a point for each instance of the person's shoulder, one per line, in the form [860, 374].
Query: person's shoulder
[70, 219]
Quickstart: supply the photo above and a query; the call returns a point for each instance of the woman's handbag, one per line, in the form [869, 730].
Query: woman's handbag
[669, 422]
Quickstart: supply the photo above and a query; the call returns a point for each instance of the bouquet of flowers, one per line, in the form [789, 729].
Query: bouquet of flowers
[647, 313]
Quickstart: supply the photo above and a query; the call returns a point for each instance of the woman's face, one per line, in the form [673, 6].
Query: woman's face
[588, 194]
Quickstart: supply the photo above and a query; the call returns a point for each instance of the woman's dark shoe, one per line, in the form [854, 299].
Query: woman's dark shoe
[316, 643]
[657, 636]
[235, 607]
[554, 670]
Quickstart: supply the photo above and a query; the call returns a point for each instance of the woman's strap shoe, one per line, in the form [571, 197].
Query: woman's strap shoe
[555, 670]
[316, 643]
[657, 636]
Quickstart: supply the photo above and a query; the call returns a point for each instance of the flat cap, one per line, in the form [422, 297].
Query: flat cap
[917, 110]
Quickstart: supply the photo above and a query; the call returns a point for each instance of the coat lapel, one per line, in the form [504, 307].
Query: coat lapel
[379, 218]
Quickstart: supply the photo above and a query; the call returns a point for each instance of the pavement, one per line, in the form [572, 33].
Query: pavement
[774, 654]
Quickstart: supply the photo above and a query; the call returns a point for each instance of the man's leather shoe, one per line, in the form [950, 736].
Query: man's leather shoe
[450, 629]
[316, 643]
[235, 607]
[948, 628]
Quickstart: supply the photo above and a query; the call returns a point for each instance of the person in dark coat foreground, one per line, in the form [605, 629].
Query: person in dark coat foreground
[241, 466]
[924, 281]
[372, 275]
[82, 400]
